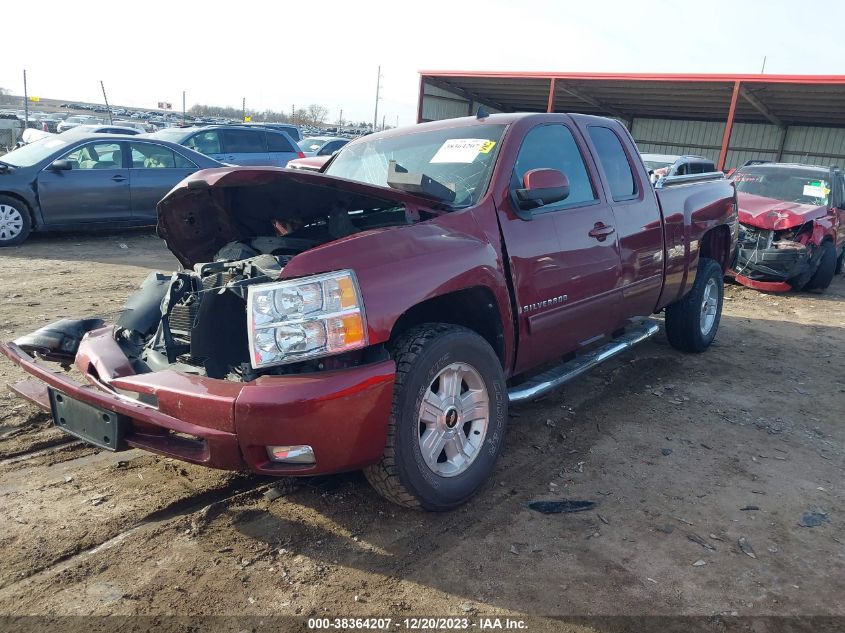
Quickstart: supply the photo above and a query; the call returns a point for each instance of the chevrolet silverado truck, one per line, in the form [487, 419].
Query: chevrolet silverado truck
[792, 226]
[383, 314]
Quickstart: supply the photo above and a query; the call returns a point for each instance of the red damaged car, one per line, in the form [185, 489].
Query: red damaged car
[383, 314]
[792, 226]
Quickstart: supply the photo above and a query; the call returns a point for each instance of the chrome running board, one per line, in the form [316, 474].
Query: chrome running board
[551, 379]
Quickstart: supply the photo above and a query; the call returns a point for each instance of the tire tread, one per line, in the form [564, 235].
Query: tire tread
[682, 317]
[384, 475]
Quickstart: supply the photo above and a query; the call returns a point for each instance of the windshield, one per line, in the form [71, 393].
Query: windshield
[789, 185]
[460, 158]
[312, 144]
[33, 153]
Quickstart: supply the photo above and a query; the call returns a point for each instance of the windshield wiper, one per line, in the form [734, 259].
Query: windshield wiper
[400, 178]
[4, 167]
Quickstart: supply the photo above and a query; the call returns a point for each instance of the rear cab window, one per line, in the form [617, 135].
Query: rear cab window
[615, 163]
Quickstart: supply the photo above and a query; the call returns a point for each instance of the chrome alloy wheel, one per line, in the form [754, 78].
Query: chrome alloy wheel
[709, 305]
[453, 419]
[11, 222]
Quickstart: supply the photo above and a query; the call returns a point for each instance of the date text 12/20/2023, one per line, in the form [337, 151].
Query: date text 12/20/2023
[416, 624]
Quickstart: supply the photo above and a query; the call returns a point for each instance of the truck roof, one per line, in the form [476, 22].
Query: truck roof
[504, 118]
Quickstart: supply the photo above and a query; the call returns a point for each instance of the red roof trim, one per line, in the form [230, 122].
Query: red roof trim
[699, 77]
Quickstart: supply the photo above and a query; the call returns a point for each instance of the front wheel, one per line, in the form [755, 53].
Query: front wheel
[448, 421]
[692, 322]
[823, 276]
[15, 222]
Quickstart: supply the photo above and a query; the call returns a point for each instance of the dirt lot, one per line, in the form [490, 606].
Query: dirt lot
[684, 455]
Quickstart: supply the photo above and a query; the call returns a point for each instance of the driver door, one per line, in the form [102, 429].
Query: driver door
[95, 189]
[564, 256]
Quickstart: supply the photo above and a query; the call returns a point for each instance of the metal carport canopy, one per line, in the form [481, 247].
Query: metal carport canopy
[780, 100]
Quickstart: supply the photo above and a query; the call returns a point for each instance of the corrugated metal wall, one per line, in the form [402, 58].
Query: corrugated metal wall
[443, 104]
[749, 141]
[663, 136]
[805, 144]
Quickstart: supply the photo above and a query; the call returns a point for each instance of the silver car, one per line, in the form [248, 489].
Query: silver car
[321, 145]
[235, 144]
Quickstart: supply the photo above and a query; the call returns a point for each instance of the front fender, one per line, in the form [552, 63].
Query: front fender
[401, 267]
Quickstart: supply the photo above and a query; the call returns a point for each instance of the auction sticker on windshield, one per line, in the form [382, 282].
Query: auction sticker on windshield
[462, 150]
[816, 189]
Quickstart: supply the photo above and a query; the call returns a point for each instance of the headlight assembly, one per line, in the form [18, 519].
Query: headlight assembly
[304, 318]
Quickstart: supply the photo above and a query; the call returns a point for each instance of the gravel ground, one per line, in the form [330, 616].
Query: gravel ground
[686, 456]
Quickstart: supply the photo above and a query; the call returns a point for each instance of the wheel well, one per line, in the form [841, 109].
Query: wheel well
[25, 204]
[716, 245]
[474, 308]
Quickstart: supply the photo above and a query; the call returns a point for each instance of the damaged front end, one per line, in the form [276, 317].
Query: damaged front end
[228, 362]
[774, 260]
[231, 314]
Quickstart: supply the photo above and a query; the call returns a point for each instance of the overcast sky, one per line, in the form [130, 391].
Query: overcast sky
[279, 54]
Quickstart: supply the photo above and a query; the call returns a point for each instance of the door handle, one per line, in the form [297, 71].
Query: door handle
[118, 178]
[600, 231]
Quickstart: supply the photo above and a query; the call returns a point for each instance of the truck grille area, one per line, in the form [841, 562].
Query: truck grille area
[183, 316]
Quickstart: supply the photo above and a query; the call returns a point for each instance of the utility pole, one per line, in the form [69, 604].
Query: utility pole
[763, 69]
[243, 110]
[184, 112]
[378, 87]
[382, 123]
[106, 99]
[340, 121]
[293, 113]
[25, 102]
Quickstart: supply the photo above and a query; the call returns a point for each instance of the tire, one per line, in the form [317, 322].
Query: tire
[827, 268]
[436, 362]
[15, 221]
[840, 263]
[688, 328]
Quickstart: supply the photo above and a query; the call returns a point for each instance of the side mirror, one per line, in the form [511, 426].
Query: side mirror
[61, 165]
[541, 187]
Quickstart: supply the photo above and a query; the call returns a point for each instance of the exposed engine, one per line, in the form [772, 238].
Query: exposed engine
[194, 321]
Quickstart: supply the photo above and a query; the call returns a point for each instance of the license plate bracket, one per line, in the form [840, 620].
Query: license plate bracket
[95, 425]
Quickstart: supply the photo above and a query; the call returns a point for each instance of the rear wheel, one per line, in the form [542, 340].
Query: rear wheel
[448, 420]
[15, 221]
[692, 322]
[827, 268]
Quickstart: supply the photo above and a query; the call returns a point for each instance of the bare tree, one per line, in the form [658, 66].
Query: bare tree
[316, 114]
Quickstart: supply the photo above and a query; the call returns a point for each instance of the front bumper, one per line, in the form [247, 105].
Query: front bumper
[771, 268]
[341, 414]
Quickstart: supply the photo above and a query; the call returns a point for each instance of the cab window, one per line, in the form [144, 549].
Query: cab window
[614, 162]
[554, 147]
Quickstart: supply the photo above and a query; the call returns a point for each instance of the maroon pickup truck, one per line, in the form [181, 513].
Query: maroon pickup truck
[383, 314]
